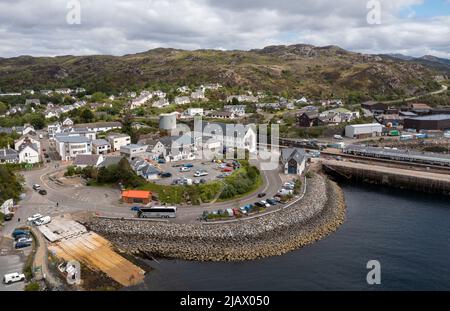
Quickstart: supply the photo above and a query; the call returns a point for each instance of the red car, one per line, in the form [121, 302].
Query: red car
[236, 212]
[227, 169]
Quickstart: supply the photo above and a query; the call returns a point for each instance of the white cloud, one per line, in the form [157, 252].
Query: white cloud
[128, 26]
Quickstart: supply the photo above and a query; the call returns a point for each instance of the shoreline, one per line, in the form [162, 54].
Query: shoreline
[318, 214]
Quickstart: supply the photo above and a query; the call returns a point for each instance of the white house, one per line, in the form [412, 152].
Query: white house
[221, 115]
[172, 148]
[141, 100]
[243, 98]
[132, 151]
[182, 100]
[68, 122]
[118, 140]
[28, 153]
[163, 102]
[198, 95]
[144, 169]
[63, 91]
[238, 110]
[101, 146]
[183, 89]
[26, 139]
[230, 135]
[192, 112]
[293, 161]
[100, 126]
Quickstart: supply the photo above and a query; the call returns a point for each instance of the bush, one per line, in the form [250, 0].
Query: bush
[32, 287]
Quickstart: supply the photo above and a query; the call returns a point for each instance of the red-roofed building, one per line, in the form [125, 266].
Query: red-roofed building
[136, 196]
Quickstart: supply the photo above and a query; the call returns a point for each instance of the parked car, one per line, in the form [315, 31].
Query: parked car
[265, 203]
[25, 240]
[162, 161]
[243, 210]
[230, 212]
[36, 187]
[185, 169]
[34, 217]
[43, 221]
[261, 195]
[236, 212]
[135, 208]
[13, 278]
[166, 175]
[18, 232]
[189, 165]
[260, 204]
[43, 192]
[20, 245]
[8, 217]
[272, 202]
[203, 181]
[17, 238]
[227, 170]
[200, 174]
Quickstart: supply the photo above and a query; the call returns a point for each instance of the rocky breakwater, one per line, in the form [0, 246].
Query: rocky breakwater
[320, 212]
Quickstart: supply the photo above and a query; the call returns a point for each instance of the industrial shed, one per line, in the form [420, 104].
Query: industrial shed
[431, 122]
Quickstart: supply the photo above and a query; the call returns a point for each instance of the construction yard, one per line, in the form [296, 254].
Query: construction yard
[71, 241]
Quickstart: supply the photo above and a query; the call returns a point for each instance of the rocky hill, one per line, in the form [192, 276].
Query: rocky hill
[294, 70]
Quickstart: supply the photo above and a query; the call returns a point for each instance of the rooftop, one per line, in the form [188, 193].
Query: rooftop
[437, 117]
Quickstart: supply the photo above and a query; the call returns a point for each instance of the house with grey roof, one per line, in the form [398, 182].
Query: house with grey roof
[85, 160]
[144, 169]
[101, 146]
[8, 155]
[68, 147]
[293, 161]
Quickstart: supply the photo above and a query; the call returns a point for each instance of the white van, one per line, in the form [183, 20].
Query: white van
[13, 278]
[43, 221]
[185, 169]
[200, 174]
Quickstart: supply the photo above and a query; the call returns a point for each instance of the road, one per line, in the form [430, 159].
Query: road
[442, 90]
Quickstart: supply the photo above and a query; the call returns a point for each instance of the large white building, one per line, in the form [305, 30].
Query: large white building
[118, 140]
[68, 147]
[363, 130]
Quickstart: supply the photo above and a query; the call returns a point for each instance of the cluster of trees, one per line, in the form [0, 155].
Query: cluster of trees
[241, 182]
[114, 174]
[10, 184]
[8, 139]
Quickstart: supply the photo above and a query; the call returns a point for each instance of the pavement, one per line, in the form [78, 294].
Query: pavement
[11, 261]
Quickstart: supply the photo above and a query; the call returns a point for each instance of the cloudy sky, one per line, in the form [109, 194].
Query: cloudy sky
[40, 27]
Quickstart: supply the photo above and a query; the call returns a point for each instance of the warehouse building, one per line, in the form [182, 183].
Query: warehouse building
[431, 122]
[363, 130]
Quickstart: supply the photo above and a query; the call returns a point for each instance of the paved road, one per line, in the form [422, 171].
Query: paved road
[442, 90]
[105, 201]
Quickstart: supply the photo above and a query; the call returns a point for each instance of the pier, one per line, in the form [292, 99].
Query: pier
[398, 177]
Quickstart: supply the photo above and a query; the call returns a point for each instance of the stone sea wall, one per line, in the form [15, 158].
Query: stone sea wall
[320, 212]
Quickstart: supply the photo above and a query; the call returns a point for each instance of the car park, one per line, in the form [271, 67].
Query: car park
[34, 217]
[13, 278]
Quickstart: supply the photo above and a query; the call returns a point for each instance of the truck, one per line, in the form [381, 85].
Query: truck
[13, 278]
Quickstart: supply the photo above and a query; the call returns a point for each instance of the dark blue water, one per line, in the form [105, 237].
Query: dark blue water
[408, 232]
